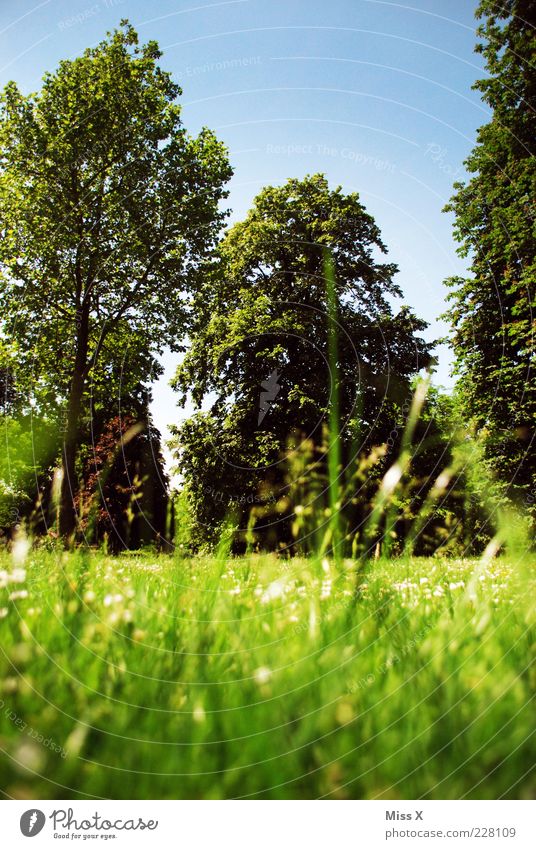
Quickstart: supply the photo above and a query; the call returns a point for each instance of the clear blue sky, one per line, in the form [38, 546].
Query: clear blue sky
[375, 94]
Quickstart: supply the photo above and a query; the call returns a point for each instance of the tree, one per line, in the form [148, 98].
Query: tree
[262, 347]
[123, 497]
[109, 210]
[492, 310]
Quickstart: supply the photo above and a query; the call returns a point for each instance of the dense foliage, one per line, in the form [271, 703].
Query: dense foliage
[301, 367]
[492, 311]
[107, 209]
[123, 499]
[278, 355]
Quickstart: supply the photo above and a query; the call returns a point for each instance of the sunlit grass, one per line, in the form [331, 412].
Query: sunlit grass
[160, 677]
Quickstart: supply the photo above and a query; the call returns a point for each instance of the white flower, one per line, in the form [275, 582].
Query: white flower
[18, 594]
[405, 585]
[3, 612]
[325, 591]
[17, 576]
[262, 675]
[275, 590]
[20, 550]
[112, 599]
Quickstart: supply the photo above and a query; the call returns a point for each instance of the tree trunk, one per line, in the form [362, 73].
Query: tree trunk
[69, 484]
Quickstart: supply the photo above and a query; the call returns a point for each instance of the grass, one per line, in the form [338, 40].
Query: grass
[164, 677]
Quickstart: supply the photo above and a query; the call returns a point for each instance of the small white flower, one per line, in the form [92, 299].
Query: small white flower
[17, 576]
[20, 550]
[325, 591]
[275, 590]
[112, 599]
[18, 594]
[3, 612]
[262, 675]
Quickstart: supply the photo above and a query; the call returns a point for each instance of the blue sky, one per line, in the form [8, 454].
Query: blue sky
[375, 94]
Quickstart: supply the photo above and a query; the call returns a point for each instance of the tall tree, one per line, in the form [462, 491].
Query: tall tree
[108, 210]
[492, 311]
[261, 355]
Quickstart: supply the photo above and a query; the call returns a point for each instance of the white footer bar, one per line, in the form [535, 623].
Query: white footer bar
[270, 824]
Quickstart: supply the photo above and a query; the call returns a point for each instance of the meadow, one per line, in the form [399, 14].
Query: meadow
[163, 676]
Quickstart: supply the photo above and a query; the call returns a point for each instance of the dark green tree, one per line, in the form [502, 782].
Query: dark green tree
[123, 497]
[492, 310]
[260, 353]
[108, 210]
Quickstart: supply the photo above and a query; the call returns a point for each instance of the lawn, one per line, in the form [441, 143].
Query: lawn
[165, 677]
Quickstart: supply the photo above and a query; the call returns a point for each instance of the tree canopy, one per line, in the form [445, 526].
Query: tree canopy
[260, 349]
[492, 310]
[108, 211]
